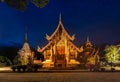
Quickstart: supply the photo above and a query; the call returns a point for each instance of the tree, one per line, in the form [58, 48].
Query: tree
[4, 61]
[24, 60]
[112, 55]
[40, 3]
[22, 4]
[93, 60]
[9, 51]
[17, 60]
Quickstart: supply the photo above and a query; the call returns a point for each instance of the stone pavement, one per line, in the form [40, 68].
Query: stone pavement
[61, 77]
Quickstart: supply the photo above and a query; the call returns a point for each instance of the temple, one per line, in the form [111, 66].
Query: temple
[25, 52]
[60, 50]
[90, 55]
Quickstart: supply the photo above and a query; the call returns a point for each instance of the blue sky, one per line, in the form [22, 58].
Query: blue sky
[98, 19]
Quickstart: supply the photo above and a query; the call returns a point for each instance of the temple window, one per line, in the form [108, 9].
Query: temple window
[72, 56]
[47, 56]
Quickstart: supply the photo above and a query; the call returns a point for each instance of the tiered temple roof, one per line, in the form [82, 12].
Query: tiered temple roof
[59, 28]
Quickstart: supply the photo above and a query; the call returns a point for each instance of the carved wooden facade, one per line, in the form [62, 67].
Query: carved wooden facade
[60, 50]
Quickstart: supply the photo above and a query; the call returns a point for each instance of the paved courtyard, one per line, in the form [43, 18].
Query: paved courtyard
[61, 77]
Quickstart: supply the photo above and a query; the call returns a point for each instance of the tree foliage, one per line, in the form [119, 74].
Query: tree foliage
[21, 60]
[4, 61]
[112, 54]
[9, 51]
[93, 59]
[40, 3]
[24, 60]
[22, 4]
[17, 60]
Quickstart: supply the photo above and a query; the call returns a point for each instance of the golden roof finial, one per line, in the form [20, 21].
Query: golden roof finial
[26, 35]
[88, 42]
[88, 39]
[60, 18]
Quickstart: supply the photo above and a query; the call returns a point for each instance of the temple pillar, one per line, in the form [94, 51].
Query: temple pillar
[69, 55]
[54, 49]
[45, 54]
[75, 53]
[66, 51]
[50, 53]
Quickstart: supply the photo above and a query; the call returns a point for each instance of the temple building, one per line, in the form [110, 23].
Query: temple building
[90, 54]
[60, 50]
[25, 52]
[87, 47]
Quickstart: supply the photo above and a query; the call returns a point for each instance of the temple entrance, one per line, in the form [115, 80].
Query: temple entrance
[60, 59]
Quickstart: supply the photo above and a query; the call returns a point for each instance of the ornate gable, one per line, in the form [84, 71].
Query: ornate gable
[60, 31]
[59, 37]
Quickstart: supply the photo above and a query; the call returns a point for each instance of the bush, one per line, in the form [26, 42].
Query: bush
[24, 68]
[4, 61]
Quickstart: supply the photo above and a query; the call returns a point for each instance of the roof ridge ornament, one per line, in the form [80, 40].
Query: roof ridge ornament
[26, 38]
[47, 37]
[60, 18]
[38, 49]
[88, 42]
[88, 39]
[26, 35]
[73, 37]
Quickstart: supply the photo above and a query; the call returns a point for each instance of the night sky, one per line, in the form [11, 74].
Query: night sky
[98, 19]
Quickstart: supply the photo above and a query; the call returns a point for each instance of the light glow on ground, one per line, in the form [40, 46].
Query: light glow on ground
[5, 69]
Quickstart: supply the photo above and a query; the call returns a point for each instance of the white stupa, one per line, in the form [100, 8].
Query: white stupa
[25, 51]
